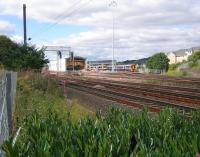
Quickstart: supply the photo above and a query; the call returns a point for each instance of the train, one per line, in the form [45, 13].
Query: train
[77, 63]
[130, 67]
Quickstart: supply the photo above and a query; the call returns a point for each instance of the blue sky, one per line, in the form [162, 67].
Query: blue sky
[142, 27]
[40, 31]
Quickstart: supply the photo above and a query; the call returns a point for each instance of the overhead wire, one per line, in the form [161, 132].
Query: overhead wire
[60, 17]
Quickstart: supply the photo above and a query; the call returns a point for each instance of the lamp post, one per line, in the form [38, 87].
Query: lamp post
[113, 4]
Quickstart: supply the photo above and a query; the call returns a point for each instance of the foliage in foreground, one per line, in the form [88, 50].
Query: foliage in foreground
[119, 133]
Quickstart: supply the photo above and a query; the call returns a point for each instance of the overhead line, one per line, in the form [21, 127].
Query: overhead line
[51, 26]
[60, 15]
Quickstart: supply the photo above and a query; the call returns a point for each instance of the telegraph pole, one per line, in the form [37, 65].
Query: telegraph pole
[24, 23]
[113, 43]
[113, 4]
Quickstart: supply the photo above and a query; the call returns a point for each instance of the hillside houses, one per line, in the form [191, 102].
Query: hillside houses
[181, 55]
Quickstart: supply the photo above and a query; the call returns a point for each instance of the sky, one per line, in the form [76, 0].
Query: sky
[142, 27]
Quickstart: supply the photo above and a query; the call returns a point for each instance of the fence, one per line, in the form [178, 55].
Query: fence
[7, 95]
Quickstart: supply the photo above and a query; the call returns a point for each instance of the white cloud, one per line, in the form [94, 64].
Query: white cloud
[17, 38]
[6, 27]
[143, 27]
[130, 44]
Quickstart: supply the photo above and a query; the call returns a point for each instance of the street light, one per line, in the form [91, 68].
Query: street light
[113, 4]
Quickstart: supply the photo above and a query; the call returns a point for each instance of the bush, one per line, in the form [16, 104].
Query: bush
[174, 66]
[194, 58]
[16, 56]
[158, 61]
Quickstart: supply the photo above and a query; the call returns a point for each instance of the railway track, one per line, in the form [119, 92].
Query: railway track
[130, 100]
[146, 77]
[125, 95]
[172, 89]
[137, 95]
[152, 76]
[148, 86]
[166, 95]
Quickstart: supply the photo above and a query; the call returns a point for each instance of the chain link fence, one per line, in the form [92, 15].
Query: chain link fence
[7, 96]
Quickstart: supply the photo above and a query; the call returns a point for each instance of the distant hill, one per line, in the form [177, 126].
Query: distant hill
[139, 61]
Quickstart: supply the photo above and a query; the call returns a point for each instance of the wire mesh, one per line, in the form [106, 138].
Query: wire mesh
[7, 95]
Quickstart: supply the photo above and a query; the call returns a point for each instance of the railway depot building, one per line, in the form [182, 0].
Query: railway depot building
[67, 64]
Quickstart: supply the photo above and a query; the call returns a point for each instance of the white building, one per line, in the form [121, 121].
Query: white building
[57, 65]
[181, 55]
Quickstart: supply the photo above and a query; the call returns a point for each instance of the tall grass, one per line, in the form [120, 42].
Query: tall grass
[37, 93]
[176, 73]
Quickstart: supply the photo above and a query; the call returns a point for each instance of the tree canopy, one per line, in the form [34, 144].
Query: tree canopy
[158, 61]
[15, 56]
[194, 58]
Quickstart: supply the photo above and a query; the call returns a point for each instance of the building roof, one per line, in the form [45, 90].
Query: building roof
[195, 49]
[183, 52]
[101, 62]
[180, 53]
[76, 58]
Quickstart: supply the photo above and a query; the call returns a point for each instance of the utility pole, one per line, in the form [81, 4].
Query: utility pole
[24, 23]
[113, 4]
[73, 63]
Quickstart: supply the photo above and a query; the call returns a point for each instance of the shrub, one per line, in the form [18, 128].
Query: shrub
[194, 58]
[158, 61]
[174, 66]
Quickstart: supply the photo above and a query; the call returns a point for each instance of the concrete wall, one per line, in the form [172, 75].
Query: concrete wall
[172, 58]
[59, 65]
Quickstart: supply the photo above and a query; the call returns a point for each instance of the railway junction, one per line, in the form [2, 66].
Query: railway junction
[137, 91]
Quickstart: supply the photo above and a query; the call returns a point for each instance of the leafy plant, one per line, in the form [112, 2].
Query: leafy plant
[193, 59]
[119, 133]
[158, 61]
[16, 56]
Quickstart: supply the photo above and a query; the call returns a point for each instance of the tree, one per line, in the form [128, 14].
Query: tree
[158, 61]
[194, 58]
[15, 56]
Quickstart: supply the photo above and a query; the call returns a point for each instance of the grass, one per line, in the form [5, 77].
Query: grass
[38, 93]
[77, 111]
[176, 73]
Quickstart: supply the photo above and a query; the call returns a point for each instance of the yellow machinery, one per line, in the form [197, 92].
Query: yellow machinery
[133, 68]
[77, 63]
[103, 67]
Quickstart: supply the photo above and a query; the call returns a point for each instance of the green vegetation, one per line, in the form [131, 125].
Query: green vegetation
[37, 93]
[194, 66]
[176, 73]
[77, 111]
[15, 56]
[193, 59]
[158, 61]
[119, 133]
[174, 66]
